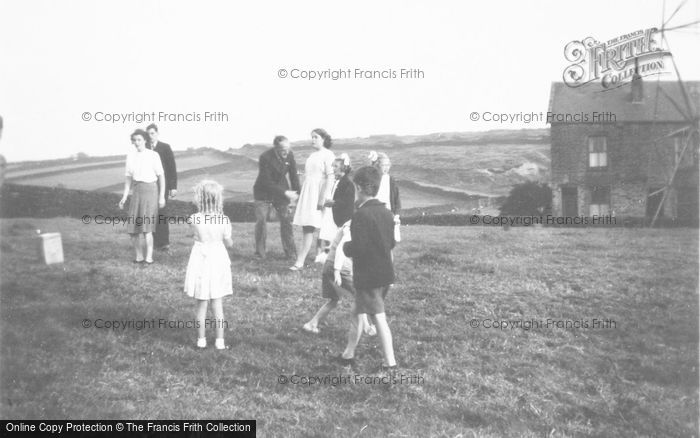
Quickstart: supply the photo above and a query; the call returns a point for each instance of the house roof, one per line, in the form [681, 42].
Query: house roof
[588, 99]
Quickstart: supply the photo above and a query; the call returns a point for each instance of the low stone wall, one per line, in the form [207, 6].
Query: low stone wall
[44, 202]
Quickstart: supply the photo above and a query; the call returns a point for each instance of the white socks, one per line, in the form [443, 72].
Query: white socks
[218, 344]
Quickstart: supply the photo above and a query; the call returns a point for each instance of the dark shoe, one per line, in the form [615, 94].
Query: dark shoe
[138, 262]
[164, 248]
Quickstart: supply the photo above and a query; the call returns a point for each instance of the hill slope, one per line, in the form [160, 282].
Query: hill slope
[443, 171]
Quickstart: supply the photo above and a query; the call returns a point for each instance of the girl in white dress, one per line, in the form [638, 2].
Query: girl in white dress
[318, 179]
[208, 276]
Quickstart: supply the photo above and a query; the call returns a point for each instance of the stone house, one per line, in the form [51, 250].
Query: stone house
[613, 152]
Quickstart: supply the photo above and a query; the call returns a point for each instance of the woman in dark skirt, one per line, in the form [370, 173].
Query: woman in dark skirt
[144, 173]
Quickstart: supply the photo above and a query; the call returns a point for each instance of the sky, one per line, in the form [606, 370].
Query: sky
[63, 63]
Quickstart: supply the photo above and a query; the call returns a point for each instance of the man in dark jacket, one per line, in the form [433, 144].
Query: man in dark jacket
[161, 237]
[276, 186]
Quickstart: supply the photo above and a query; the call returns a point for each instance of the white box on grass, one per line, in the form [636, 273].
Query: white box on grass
[50, 248]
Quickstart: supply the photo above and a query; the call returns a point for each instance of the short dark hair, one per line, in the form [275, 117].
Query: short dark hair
[346, 168]
[152, 126]
[140, 132]
[367, 179]
[279, 139]
[327, 141]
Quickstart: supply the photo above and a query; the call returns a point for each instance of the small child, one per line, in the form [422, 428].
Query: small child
[208, 276]
[372, 231]
[336, 279]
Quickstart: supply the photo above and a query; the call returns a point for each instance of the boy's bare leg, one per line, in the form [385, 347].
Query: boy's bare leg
[385, 339]
[323, 313]
[354, 335]
[367, 327]
[363, 321]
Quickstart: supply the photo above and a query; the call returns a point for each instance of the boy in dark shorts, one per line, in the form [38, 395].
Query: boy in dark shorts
[372, 234]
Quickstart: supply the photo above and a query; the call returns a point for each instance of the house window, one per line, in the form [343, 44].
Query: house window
[597, 151]
[600, 201]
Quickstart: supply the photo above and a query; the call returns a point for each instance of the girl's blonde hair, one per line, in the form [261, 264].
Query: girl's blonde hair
[209, 197]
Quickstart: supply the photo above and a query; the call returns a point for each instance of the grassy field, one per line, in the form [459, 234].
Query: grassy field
[638, 378]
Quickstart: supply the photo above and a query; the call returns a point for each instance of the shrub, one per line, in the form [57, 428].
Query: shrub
[528, 199]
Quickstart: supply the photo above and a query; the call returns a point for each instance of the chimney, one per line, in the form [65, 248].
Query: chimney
[637, 92]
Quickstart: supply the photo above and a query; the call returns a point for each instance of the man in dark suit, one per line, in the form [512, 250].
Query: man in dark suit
[277, 186]
[161, 237]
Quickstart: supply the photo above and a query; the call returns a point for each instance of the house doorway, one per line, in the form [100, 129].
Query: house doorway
[569, 201]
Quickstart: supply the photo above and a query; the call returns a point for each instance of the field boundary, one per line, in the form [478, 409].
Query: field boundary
[48, 202]
[232, 166]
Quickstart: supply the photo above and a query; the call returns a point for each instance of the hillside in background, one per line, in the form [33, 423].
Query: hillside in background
[436, 172]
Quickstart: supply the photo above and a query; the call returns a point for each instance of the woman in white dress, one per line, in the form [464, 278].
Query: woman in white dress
[318, 180]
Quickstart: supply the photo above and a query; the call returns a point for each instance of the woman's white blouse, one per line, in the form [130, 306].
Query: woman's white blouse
[144, 166]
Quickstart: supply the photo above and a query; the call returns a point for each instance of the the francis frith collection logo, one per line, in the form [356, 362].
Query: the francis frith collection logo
[613, 62]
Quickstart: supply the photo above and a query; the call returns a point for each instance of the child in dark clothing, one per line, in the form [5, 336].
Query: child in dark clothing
[372, 234]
